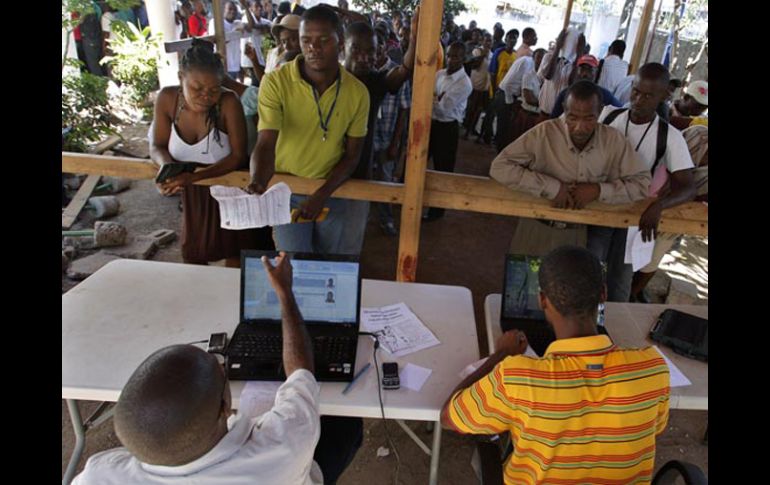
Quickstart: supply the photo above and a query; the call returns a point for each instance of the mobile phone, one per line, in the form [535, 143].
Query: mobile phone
[390, 378]
[296, 217]
[170, 170]
[217, 343]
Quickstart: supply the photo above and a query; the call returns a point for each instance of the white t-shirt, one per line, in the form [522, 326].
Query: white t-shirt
[511, 83]
[614, 70]
[107, 19]
[275, 448]
[255, 37]
[551, 88]
[677, 156]
[454, 90]
[530, 81]
[622, 91]
[233, 47]
[480, 76]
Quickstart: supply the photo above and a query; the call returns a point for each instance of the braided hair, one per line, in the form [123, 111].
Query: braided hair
[200, 56]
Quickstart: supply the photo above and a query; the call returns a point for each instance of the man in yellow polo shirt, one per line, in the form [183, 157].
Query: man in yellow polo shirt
[312, 123]
[586, 412]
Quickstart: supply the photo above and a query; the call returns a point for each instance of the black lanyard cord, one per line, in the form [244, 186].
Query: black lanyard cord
[316, 97]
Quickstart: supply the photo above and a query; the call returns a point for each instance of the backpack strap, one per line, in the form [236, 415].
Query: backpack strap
[614, 114]
[661, 143]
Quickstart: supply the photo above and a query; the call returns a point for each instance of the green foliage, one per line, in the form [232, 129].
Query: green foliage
[453, 7]
[85, 7]
[135, 59]
[84, 108]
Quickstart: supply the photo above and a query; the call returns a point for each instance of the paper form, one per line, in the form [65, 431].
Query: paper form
[241, 210]
[638, 252]
[399, 330]
[677, 378]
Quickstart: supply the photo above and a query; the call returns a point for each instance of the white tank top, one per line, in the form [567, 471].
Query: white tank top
[206, 151]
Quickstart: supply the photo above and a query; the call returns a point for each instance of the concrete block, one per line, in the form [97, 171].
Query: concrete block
[81, 269]
[107, 234]
[140, 248]
[162, 237]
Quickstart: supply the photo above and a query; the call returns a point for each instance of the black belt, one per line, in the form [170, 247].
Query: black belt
[558, 224]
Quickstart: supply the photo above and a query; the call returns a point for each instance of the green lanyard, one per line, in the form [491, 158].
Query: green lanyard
[325, 124]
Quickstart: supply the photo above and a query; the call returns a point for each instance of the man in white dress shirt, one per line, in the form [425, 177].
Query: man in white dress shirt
[174, 419]
[612, 69]
[450, 97]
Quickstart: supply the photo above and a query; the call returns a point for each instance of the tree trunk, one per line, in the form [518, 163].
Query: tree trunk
[690, 66]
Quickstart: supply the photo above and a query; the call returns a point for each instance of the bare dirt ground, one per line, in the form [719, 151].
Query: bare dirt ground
[452, 251]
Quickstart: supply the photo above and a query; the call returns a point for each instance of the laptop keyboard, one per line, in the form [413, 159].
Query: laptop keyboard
[269, 347]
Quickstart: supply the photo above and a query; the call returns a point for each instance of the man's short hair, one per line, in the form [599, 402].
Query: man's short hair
[359, 28]
[584, 90]
[654, 71]
[618, 47]
[169, 405]
[457, 45]
[322, 13]
[572, 279]
[513, 32]
[528, 31]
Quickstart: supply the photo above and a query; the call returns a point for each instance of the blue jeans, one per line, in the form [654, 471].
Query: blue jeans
[335, 235]
[384, 171]
[609, 245]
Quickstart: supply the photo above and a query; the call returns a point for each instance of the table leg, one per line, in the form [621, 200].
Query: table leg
[434, 454]
[80, 440]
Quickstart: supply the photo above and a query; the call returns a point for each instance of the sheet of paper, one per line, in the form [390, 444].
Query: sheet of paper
[400, 331]
[677, 378]
[241, 210]
[471, 368]
[638, 252]
[413, 376]
[258, 397]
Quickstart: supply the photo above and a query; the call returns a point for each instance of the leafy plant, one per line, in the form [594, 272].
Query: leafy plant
[84, 109]
[135, 59]
[453, 7]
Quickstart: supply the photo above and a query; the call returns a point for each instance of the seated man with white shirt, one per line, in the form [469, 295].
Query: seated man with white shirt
[174, 419]
[453, 86]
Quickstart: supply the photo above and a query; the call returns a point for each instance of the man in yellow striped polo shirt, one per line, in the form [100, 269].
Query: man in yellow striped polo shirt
[586, 412]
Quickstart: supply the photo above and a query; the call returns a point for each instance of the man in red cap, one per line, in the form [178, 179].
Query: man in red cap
[586, 68]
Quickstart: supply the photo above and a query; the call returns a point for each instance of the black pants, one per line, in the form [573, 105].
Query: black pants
[493, 109]
[341, 437]
[442, 149]
[503, 137]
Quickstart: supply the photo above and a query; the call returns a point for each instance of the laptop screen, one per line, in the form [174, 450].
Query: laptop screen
[520, 294]
[326, 291]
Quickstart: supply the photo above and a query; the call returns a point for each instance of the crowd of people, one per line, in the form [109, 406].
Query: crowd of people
[330, 101]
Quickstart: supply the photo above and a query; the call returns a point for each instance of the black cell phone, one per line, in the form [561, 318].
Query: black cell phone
[170, 170]
[390, 378]
[217, 343]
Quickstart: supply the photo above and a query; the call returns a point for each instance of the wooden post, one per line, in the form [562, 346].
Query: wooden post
[652, 35]
[641, 35]
[419, 135]
[567, 14]
[219, 29]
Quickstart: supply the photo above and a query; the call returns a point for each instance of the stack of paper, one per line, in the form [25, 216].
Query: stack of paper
[638, 252]
[399, 330]
[257, 397]
[240, 210]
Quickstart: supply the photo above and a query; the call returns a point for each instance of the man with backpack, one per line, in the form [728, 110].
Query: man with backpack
[664, 152]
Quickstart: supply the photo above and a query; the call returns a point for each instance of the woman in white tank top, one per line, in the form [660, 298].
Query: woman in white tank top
[201, 122]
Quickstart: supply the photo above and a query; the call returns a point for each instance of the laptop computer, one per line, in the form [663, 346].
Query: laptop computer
[521, 306]
[328, 293]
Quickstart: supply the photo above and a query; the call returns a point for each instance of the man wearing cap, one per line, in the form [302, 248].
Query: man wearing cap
[586, 69]
[286, 33]
[689, 110]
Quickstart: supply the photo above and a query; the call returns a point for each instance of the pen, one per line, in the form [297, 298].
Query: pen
[355, 378]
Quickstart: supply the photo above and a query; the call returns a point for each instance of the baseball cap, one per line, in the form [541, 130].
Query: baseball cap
[588, 59]
[699, 90]
[289, 21]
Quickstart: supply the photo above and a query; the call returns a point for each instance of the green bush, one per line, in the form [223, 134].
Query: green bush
[85, 109]
[135, 58]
